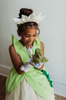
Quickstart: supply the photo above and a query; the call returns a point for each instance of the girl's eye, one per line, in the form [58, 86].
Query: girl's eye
[26, 36]
[35, 35]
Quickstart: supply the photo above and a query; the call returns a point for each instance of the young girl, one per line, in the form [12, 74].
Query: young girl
[25, 82]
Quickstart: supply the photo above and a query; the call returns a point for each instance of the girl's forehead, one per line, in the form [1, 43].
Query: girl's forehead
[29, 31]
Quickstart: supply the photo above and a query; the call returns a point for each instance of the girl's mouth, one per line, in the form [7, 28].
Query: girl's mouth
[29, 41]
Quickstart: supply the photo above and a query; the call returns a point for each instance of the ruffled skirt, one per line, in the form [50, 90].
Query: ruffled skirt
[25, 92]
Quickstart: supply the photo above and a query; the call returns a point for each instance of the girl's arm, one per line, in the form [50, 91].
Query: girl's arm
[17, 63]
[42, 48]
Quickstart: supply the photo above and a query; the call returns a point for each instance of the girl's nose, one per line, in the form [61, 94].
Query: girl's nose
[30, 39]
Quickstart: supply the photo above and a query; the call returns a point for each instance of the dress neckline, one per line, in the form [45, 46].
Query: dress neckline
[29, 47]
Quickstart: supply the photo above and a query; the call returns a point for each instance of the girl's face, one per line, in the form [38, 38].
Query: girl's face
[28, 36]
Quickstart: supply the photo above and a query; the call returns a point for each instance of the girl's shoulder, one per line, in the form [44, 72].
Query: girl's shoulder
[11, 47]
[42, 44]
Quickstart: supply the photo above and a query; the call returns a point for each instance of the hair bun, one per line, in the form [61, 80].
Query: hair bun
[25, 11]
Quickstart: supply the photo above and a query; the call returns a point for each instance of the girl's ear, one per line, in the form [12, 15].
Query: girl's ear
[18, 33]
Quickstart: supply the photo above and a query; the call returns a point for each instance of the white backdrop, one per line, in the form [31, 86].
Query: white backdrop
[52, 34]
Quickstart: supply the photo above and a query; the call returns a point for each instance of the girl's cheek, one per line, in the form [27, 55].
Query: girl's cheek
[35, 38]
[25, 38]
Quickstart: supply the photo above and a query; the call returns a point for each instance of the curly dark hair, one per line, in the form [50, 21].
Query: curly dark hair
[27, 12]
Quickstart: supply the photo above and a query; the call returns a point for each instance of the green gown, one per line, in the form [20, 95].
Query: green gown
[38, 80]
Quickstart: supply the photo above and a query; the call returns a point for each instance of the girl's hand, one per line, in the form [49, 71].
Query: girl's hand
[25, 67]
[41, 67]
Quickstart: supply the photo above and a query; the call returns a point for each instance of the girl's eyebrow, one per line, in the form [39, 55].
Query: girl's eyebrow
[29, 34]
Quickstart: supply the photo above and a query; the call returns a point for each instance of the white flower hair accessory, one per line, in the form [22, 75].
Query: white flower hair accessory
[30, 18]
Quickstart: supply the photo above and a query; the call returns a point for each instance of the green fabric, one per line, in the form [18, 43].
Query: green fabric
[34, 77]
[47, 76]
